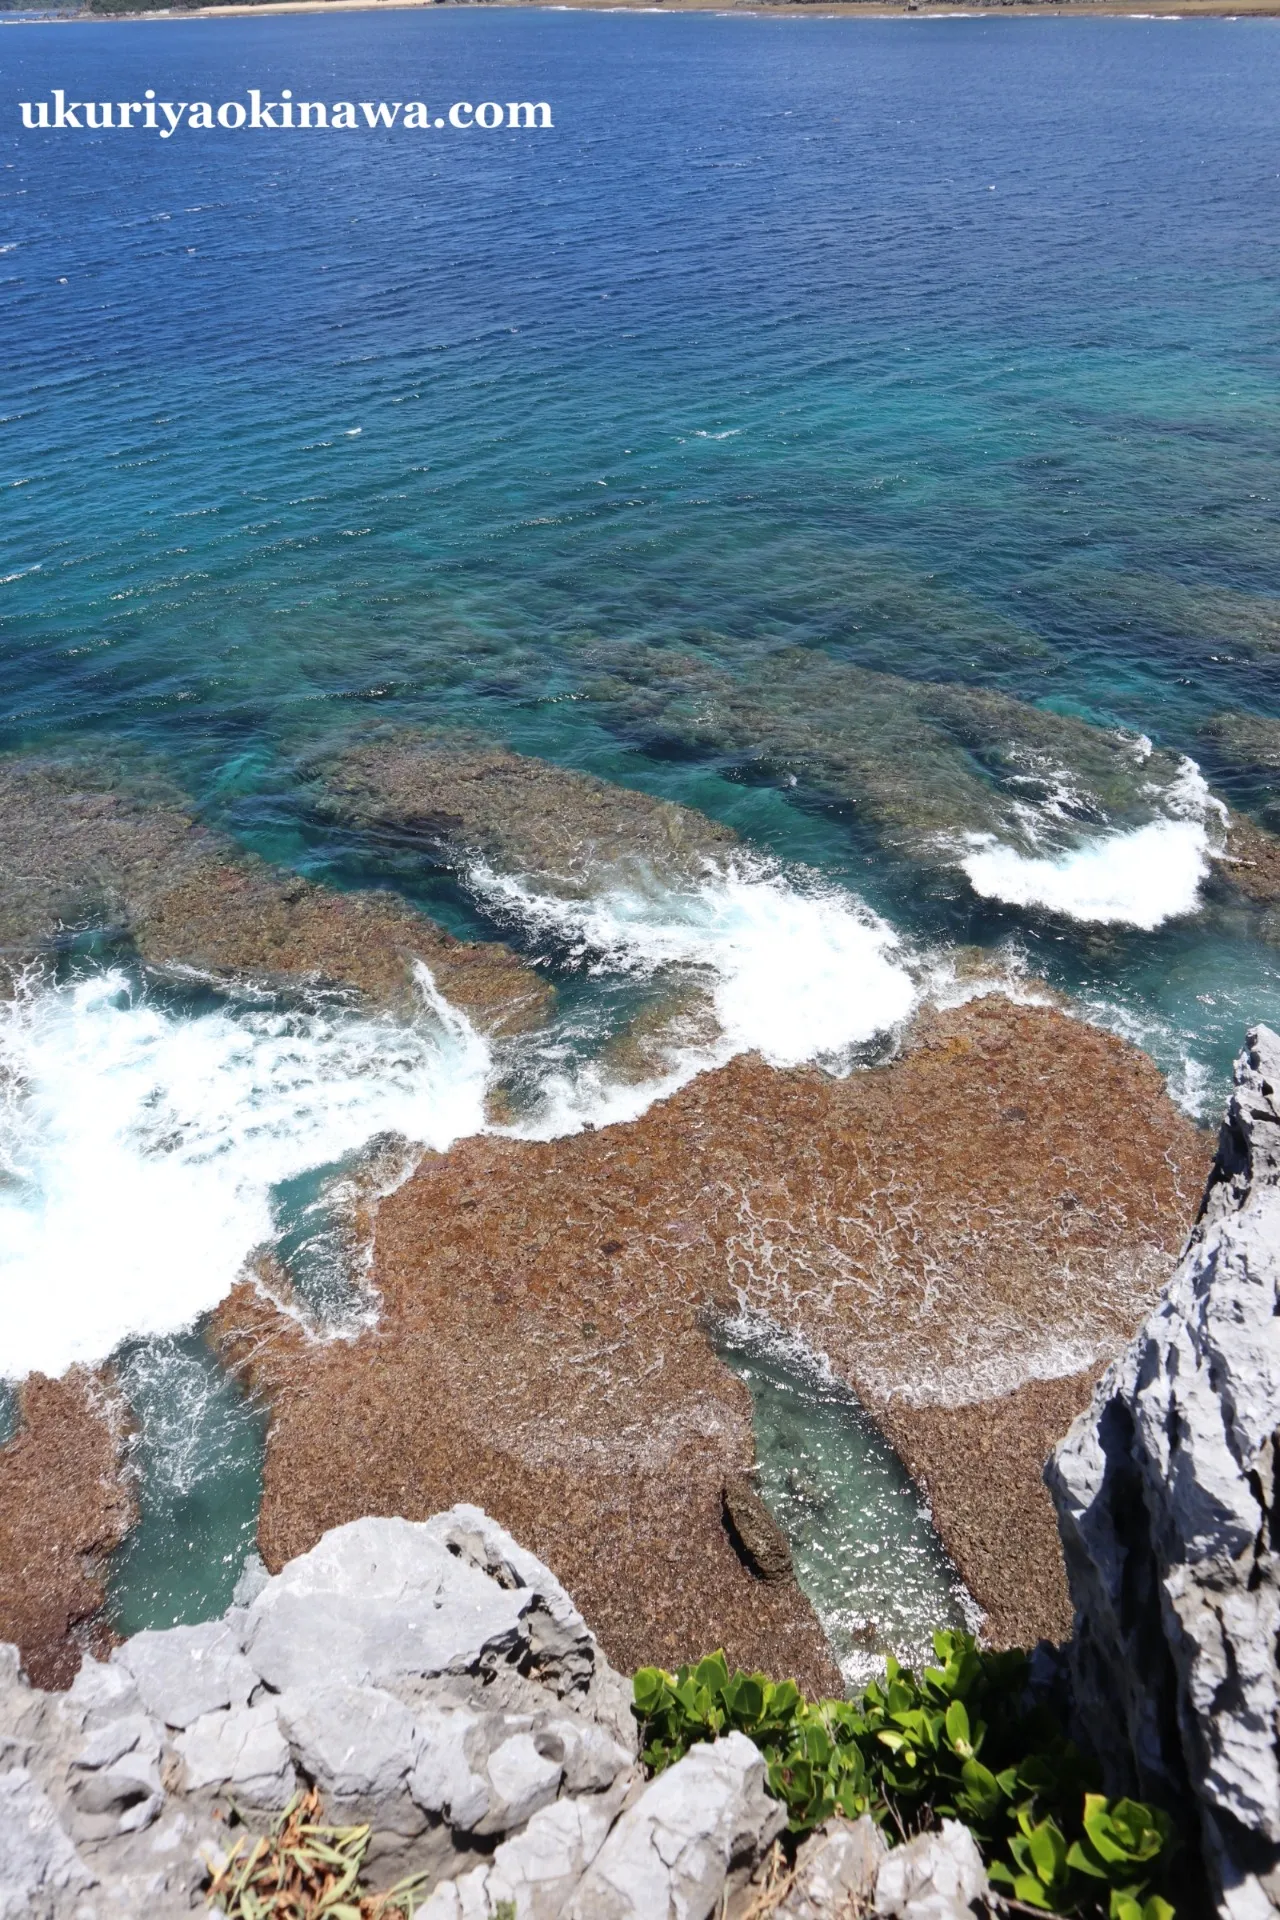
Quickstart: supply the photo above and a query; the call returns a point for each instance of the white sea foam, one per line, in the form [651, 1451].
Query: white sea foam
[1138, 878]
[139, 1148]
[795, 971]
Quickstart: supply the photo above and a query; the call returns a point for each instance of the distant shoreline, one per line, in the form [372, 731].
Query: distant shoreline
[760, 9]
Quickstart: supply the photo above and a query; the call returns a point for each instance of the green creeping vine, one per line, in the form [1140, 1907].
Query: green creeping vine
[963, 1740]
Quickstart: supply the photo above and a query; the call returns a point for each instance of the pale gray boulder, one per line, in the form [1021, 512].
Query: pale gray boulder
[240, 1752]
[433, 1679]
[835, 1872]
[936, 1876]
[491, 1772]
[113, 1781]
[184, 1672]
[99, 1694]
[355, 1743]
[561, 1647]
[38, 1861]
[380, 1601]
[522, 1780]
[695, 1827]
[538, 1870]
[1168, 1508]
[445, 1780]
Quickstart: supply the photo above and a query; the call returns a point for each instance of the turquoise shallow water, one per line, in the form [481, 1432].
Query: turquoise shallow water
[811, 427]
[863, 1546]
[944, 348]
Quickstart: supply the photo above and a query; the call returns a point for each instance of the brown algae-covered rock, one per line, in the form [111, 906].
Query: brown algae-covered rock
[77, 849]
[65, 1502]
[967, 1231]
[464, 798]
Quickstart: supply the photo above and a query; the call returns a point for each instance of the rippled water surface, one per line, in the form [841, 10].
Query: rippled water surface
[942, 352]
[862, 1542]
[863, 431]
[197, 1457]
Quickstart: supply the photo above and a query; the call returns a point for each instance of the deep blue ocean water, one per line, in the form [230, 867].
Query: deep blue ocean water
[943, 351]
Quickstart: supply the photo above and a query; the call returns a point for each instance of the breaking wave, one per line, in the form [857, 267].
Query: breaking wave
[794, 972]
[140, 1148]
[1137, 878]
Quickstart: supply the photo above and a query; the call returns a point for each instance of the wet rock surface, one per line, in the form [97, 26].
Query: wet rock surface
[78, 851]
[549, 1303]
[435, 1680]
[1167, 1500]
[463, 799]
[753, 1529]
[64, 1503]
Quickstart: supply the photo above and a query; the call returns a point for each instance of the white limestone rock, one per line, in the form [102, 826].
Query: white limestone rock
[183, 1672]
[936, 1876]
[487, 1773]
[113, 1781]
[37, 1858]
[1169, 1511]
[356, 1743]
[445, 1781]
[380, 1601]
[521, 1780]
[433, 1679]
[671, 1854]
[835, 1872]
[561, 1646]
[101, 1691]
[240, 1750]
[538, 1870]
[590, 1756]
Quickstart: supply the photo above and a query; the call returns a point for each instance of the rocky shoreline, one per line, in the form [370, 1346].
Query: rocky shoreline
[1167, 1499]
[967, 1234]
[436, 1682]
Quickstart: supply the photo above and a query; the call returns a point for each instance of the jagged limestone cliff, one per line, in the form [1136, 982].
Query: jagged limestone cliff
[1167, 1504]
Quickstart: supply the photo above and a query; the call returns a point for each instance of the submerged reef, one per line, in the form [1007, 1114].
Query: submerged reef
[915, 759]
[464, 799]
[79, 851]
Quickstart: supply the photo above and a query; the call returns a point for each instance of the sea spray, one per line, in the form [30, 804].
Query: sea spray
[140, 1145]
[1140, 877]
[793, 969]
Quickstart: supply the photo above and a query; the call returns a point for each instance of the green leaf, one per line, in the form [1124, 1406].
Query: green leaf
[957, 1724]
[1048, 1850]
[712, 1673]
[1084, 1860]
[981, 1788]
[649, 1688]
[1027, 1888]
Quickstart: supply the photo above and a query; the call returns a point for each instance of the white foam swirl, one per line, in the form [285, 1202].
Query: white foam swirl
[1137, 878]
[795, 971]
[139, 1148]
